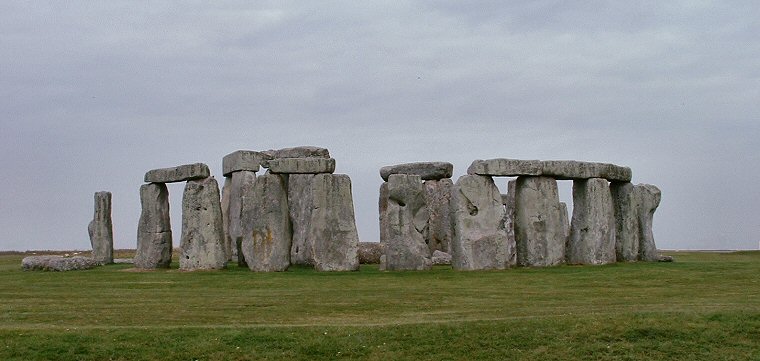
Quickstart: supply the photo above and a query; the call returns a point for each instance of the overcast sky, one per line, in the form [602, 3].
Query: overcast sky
[94, 94]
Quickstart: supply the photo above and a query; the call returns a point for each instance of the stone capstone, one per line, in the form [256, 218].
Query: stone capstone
[426, 170]
[58, 263]
[648, 199]
[266, 225]
[240, 160]
[100, 229]
[626, 221]
[154, 233]
[306, 151]
[437, 198]
[558, 169]
[539, 225]
[504, 167]
[440, 258]
[202, 242]
[178, 174]
[332, 228]
[301, 165]
[370, 252]
[300, 205]
[405, 215]
[480, 238]
[592, 229]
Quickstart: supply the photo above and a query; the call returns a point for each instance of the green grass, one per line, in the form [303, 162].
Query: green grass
[705, 306]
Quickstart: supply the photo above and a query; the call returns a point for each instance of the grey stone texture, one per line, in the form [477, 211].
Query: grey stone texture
[241, 186]
[202, 242]
[440, 258]
[592, 230]
[228, 247]
[58, 263]
[247, 160]
[383, 210]
[626, 221]
[437, 199]
[154, 233]
[266, 225]
[178, 174]
[565, 220]
[539, 226]
[480, 237]
[302, 165]
[405, 215]
[648, 199]
[509, 221]
[370, 252]
[100, 229]
[300, 205]
[426, 170]
[332, 228]
[558, 169]
[305, 151]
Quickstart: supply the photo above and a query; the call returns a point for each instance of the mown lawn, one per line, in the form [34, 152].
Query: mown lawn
[704, 306]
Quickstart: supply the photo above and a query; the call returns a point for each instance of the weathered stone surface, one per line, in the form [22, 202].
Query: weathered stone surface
[154, 233]
[58, 263]
[247, 160]
[178, 174]
[480, 236]
[241, 187]
[440, 258]
[437, 198]
[539, 227]
[332, 228]
[202, 242]
[300, 205]
[426, 170]
[509, 222]
[383, 209]
[228, 245]
[648, 199]
[406, 219]
[370, 252]
[626, 222]
[592, 229]
[558, 169]
[565, 220]
[101, 229]
[124, 260]
[306, 151]
[266, 225]
[302, 165]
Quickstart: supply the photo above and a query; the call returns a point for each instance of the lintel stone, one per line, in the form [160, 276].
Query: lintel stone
[178, 174]
[426, 170]
[302, 165]
[557, 169]
[247, 160]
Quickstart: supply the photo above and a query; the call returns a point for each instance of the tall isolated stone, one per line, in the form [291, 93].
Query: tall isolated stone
[592, 229]
[266, 225]
[101, 229]
[627, 235]
[154, 232]
[480, 239]
[332, 227]
[648, 198]
[539, 225]
[437, 198]
[405, 216]
[202, 241]
[300, 205]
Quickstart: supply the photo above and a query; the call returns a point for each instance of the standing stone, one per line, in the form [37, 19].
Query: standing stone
[202, 242]
[437, 198]
[300, 204]
[406, 219]
[509, 222]
[332, 229]
[626, 221]
[592, 230]
[101, 229]
[648, 199]
[539, 228]
[383, 209]
[266, 225]
[480, 236]
[228, 246]
[154, 232]
[240, 189]
[565, 220]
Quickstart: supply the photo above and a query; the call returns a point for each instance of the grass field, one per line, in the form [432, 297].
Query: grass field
[704, 306]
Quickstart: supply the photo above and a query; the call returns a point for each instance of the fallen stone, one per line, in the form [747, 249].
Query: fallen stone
[626, 222]
[505, 167]
[648, 199]
[178, 174]
[299, 152]
[440, 258]
[100, 229]
[246, 160]
[332, 229]
[557, 169]
[202, 242]
[300, 205]
[58, 263]
[480, 235]
[426, 170]
[665, 259]
[123, 260]
[370, 252]
[154, 233]
[437, 198]
[406, 219]
[539, 226]
[302, 165]
[592, 230]
[241, 187]
[266, 225]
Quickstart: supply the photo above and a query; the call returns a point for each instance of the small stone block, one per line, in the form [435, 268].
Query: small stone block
[178, 174]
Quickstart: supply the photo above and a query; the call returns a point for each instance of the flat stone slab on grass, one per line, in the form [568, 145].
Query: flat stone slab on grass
[426, 170]
[247, 160]
[178, 174]
[557, 169]
[302, 165]
[58, 263]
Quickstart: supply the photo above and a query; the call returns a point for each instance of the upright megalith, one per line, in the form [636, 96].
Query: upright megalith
[480, 238]
[154, 233]
[266, 225]
[100, 229]
[405, 215]
[648, 198]
[241, 187]
[509, 221]
[202, 243]
[592, 229]
[332, 227]
[300, 205]
[539, 226]
[627, 235]
[437, 199]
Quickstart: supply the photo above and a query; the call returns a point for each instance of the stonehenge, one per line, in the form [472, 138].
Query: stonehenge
[100, 229]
